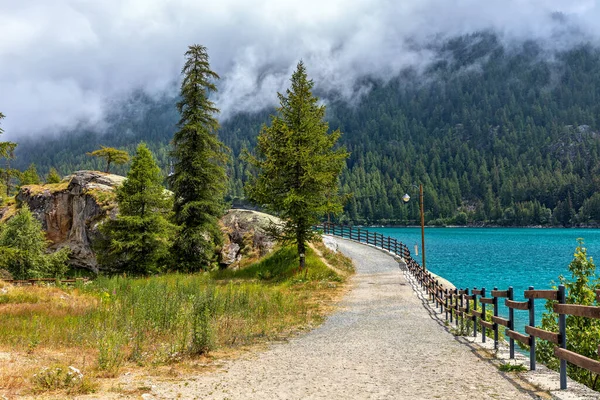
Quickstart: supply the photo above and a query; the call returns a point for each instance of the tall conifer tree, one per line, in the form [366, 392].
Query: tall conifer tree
[138, 240]
[199, 179]
[7, 150]
[298, 165]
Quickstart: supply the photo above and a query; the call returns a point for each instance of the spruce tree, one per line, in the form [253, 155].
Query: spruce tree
[298, 165]
[199, 179]
[7, 151]
[53, 176]
[111, 155]
[138, 240]
[30, 176]
[23, 249]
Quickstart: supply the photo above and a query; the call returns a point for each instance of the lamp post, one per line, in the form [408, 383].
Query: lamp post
[406, 198]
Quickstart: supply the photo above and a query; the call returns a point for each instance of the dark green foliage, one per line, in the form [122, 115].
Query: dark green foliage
[29, 176]
[138, 240]
[7, 151]
[198, 180]
[505, 135]
[111, 155]
[583, 334]
[53, 176]
[23, 249]
[297, 165]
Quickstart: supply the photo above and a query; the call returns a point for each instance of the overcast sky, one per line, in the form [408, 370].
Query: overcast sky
[64, 61]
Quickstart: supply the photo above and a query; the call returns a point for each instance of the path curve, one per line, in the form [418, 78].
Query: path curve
[380, 344]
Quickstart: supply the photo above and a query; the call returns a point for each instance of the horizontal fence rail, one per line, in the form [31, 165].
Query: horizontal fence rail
[464, 305]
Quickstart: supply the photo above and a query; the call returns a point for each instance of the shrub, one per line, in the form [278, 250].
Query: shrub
[60, 377]
[23, 249]
[583, 334]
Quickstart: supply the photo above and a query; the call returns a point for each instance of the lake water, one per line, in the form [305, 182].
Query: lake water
[499, 257]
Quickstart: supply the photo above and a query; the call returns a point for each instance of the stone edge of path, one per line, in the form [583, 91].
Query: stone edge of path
[545, 379]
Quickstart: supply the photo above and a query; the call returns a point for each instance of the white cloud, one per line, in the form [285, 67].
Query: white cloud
[63, 61]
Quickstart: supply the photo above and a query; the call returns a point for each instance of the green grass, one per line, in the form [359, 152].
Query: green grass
[512, 368]
[282, 266]
[163, 319]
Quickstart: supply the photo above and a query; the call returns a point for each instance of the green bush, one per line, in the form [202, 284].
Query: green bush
[583, 334]
[23, 249]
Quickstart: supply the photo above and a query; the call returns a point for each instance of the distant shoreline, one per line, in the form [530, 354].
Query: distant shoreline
[594, 226]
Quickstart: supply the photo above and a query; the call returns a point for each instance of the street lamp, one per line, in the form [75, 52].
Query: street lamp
[406, 198]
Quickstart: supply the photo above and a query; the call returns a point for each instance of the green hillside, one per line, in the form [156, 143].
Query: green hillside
[497, 135]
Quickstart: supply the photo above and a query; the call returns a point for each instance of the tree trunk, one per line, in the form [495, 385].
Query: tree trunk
[302, 252]
[107, 166]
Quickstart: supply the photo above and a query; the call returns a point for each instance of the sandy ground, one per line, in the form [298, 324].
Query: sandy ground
[380, 344]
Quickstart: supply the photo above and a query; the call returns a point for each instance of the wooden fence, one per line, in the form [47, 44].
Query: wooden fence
[471, 305]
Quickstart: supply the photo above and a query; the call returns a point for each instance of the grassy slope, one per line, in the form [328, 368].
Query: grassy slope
[122, 323]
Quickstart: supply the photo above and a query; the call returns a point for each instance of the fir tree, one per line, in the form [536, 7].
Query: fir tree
[7, 150]
[198, 180]
[138, 239]
[30, 176]
[53, 176]
[298, 166]
[23, 249]
[111, 155]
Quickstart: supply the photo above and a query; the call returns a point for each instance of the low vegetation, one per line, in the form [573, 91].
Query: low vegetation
[512, 367]
[116, 323]
[583, 334]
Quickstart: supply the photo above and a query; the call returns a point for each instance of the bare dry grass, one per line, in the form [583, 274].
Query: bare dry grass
[172, 325]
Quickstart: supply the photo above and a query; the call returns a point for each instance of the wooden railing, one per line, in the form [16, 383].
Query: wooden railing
[460, 305]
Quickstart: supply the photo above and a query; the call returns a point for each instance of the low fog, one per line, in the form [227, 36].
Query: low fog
[63, 62]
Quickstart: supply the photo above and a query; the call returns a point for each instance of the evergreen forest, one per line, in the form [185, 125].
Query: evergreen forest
[497, 135]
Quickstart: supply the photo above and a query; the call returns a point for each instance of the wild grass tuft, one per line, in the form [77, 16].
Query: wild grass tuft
[59, 377]
[512, 368]
[164, 319]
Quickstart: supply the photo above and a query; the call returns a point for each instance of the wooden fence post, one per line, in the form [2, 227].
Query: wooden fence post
[467, 309]
[474, 316]
[446, 306]
[562, 330]
[456, 306]
[483, 317]
[511, 322]
[531, 337]
[495, 323]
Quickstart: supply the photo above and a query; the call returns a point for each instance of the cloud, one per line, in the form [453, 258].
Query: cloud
[63, 62]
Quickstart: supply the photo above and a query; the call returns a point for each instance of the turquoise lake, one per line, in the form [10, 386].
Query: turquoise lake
[499, 257]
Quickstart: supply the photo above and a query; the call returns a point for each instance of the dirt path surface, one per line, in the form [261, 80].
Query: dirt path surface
[380, 344]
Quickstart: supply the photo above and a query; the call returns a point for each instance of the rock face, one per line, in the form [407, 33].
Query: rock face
[71, 210]
[245, 236]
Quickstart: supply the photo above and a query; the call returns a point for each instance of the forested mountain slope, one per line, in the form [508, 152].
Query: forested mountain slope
[497, 135]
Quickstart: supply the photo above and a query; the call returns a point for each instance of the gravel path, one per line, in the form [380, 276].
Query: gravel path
[380, 344]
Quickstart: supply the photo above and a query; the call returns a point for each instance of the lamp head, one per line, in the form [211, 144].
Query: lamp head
[406, 198]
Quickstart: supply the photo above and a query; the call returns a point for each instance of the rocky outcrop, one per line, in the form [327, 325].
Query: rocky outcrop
[71, 210]
[245, 236]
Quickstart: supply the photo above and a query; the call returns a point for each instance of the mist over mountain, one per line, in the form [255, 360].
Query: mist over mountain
[67, 62]
[498, 133]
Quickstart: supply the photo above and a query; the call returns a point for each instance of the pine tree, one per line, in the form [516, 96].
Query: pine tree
[53, 176]
[7, 150]
[111, 155]
[30, 176]
[297, 163]
[198, 180]
[138, 240]
[23, 249]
